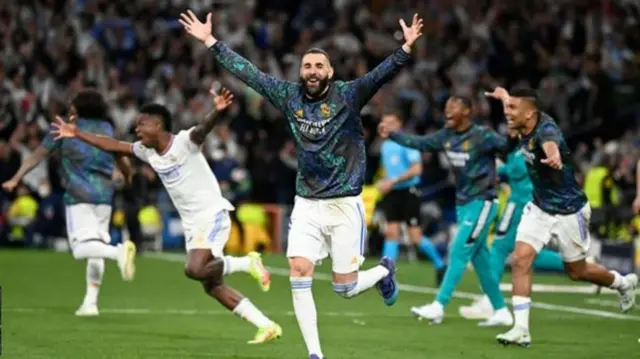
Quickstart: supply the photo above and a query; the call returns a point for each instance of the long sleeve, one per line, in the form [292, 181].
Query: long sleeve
[429, 143]
[362, 89]
[274, 90]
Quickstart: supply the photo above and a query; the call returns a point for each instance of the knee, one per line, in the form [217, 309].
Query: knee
[521, 262]
[344, 290]
[193, 271]
[392, 232]
[300, 267]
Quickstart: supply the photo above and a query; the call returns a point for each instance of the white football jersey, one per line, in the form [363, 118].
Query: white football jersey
[189, 180]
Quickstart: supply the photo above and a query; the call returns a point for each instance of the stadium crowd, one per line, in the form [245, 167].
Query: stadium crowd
[582, 55]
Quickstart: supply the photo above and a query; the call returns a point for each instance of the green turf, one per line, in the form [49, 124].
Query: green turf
[170, 317]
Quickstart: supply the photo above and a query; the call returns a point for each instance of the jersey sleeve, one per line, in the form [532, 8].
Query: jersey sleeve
[549, 132]
[50, 143]
[429, 143]
[183, 139]
[413, 156]
[139, 151]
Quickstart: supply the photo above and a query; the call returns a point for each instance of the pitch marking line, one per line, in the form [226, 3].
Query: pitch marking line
[428, 290]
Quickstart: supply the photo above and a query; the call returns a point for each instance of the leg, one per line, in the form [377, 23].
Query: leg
[534, 232]
[393, 210]
[472, 218]
[573, 243]
[391, 248]
[202, 266]
[88, 231]
[502, 246]
[305, 248]
[95, 272]
[549, 260]
[347, 255]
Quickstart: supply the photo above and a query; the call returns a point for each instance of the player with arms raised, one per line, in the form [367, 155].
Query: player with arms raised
[471, 150]
[87, 174]
[195, 192]
[559, 211]
[324, 119]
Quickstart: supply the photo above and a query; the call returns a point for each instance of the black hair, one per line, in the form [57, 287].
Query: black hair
[90, 104]
[527, 93]
[316, 50]
[466, 100]
[161, 111]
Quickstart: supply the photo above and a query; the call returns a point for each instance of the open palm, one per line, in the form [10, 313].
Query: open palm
[413, 32]
[222, 100]
[63, 129]
[193, 26]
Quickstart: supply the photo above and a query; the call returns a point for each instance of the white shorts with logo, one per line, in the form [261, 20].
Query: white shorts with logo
[569, 233]
[335, 227]
[86, 221]
[209, 233]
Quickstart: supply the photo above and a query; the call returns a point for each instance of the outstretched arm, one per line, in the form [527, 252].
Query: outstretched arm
[221, 102]
[69, 130]
[27, 165]
[365, 87]
[274, 90]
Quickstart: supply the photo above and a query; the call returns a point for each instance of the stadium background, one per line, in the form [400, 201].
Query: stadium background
[582, 55]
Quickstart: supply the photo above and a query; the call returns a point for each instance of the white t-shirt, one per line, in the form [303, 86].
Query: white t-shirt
[189, 180]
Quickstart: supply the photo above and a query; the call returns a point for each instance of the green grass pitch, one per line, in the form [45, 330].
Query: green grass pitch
[164, 315]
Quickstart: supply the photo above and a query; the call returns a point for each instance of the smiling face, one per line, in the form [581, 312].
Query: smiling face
[456, 112]
[518, 111]
[315, 73]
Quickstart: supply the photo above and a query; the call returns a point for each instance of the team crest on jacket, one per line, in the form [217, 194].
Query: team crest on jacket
[531, 144]
[325, 110]
[465, 145]
[300, 113]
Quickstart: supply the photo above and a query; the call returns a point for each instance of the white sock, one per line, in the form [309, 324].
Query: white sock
[236, 264]
[367, 279]
[95, 249]
[247, 311]
[618, 281]
[521, 306]
[306, 314]
[95, 271]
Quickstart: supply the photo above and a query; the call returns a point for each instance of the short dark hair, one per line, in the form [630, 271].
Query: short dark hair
[161, 111]
[527, 93]
[466, 100]
[90, 104]
[316, 50]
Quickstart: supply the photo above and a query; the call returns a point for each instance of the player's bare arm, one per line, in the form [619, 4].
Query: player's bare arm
[123, 164]
[221, 102]
[30, 163]
[386, 185]
[552, 153]
[64, 129]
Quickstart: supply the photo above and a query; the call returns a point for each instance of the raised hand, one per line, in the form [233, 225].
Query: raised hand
[63, 129]
[554, 161]
[193, 26]
[413, 32]
[222, 100]
[499, 93]
[10, 185]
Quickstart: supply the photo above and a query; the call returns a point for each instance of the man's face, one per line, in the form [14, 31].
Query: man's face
[455, 112]
[392, 122]
[517, 111]
[147, 129]
[315, 73]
